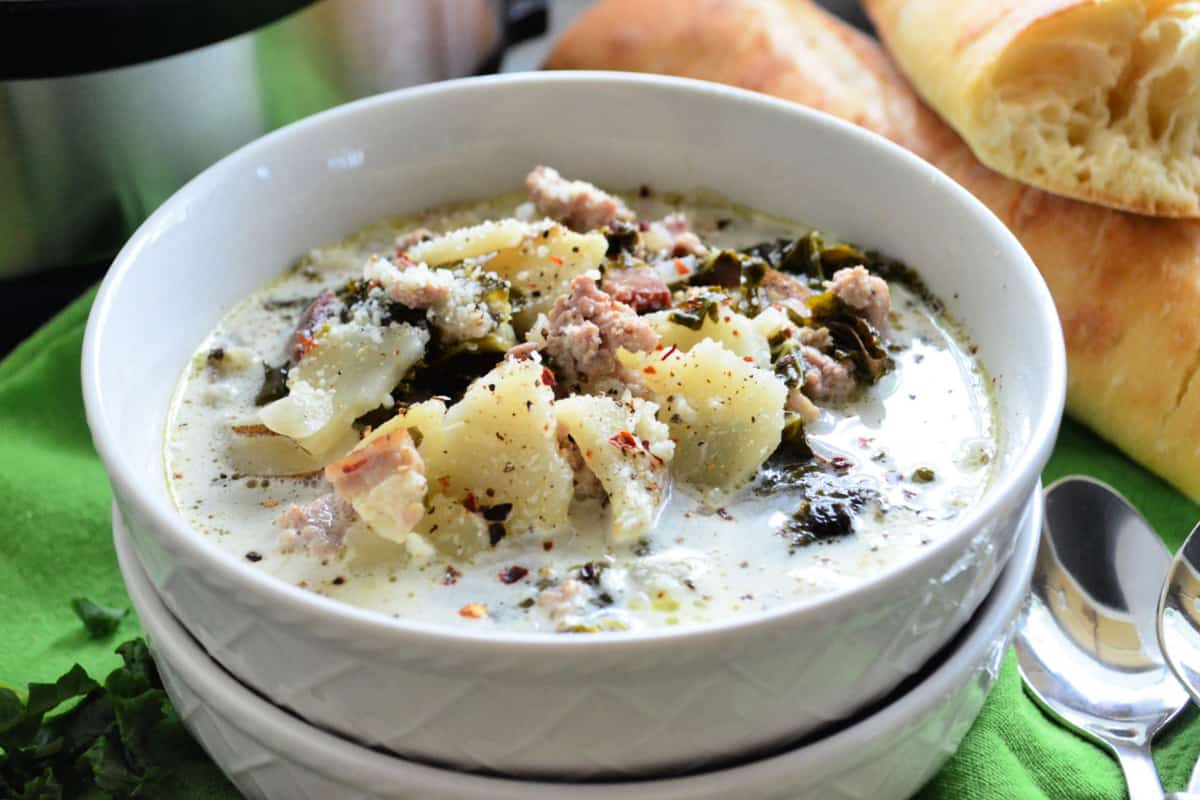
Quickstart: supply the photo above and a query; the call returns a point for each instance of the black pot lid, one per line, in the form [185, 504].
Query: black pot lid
[52, 38]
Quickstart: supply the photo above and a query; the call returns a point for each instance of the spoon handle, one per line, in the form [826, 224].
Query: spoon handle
[1141, 776]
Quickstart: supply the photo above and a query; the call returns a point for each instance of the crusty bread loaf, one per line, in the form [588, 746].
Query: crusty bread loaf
[1094, 100]
[1127, 287]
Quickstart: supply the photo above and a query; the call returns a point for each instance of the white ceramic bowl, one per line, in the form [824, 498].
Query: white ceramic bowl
[608, 704]
[891, 753]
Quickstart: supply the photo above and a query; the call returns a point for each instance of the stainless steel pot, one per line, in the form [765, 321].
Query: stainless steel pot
[85, 157]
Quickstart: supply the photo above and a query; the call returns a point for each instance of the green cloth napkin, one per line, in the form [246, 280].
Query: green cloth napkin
[55, 544]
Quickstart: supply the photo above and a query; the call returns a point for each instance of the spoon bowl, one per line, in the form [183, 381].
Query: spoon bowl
[1087, 642]
[1179, 615]
[1179, 622]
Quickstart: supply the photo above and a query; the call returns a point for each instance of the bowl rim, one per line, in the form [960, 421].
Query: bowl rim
[236, 701]
[178, 536]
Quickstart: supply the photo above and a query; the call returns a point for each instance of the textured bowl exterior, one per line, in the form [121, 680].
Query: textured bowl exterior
[889, 754]
[614, 705]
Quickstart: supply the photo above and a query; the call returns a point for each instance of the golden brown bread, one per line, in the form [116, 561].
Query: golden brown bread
[1099, 101]
[1127, 287]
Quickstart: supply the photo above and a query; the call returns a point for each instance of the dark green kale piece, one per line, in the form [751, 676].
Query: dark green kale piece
[100, 621]
[76, 738]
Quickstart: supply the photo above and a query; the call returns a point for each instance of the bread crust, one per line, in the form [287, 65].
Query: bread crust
[1127, 287]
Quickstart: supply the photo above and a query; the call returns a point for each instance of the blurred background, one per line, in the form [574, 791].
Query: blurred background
[108, 106]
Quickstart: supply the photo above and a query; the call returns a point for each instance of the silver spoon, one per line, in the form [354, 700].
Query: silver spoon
[1086, 643]
[1179, 623]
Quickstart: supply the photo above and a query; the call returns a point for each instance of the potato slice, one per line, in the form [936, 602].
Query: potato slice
[491, 461]
[736, 332]
[452, 529]
[471, 242]
[352, 369]
[255, 449]
[500, 444]
[770, 321]
[725, 415]
[628, 450]
[543, 265]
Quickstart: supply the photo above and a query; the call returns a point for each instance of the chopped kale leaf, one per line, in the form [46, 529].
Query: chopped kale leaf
[76, 738]
[274, 385]
[100, 621]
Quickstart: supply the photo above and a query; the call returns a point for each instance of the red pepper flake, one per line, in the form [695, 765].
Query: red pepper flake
[307, 343]
[668, 354]
[556, 260]
[353, 466]
[444, 482]
[725, 515]
[513, 574]
[624, 441]
[451, 577]
[473, 611]
[270, 503]
[548, 377]
[748, 359]
[680, 267]
[649, 370]
[728, 318]
[658, 346]
[588, 454]
[841, 463]
[548, 545]
[470, 503]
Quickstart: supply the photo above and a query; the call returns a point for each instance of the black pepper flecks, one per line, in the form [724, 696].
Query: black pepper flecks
[498, 512]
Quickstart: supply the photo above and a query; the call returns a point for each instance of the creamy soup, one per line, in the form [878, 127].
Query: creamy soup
[574, 411]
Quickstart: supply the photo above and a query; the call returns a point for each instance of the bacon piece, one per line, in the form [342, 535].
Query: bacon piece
[318, 527]
[642, 288]
[413, 237]
[522, 351]
[674, 235]
[384, 480]
[326, 306]
[579, 205]
[786, 290]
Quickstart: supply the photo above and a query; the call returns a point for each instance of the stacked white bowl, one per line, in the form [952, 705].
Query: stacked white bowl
[888, 751]
[610, 706]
